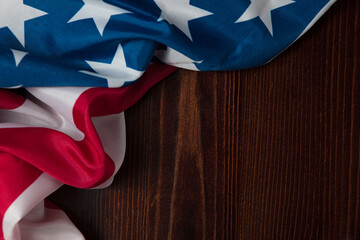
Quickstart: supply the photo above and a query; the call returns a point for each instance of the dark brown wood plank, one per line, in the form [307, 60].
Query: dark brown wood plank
[265, 153]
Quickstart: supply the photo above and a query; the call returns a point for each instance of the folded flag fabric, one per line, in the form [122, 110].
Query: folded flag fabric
[62, 128]
[55, 136]
[109, 43]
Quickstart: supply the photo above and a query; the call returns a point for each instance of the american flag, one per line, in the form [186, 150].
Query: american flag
[79, 64]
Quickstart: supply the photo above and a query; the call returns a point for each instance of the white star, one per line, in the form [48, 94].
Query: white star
[99, 11]
[172, 57]
[14, 14]
[262, 9]
[18, 56]
[179, 13]
[116, 73]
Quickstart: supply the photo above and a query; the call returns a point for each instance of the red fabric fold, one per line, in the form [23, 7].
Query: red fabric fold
[56, 136]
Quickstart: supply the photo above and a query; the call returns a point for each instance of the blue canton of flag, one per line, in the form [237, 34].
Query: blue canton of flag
[110, 43]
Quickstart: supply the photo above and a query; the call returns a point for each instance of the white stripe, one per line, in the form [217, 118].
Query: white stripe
[61, 100]
[34, 113]
[44, 224]
[35, 193]
[112, 133]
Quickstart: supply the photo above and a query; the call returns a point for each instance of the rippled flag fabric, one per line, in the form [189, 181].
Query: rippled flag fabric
[55, 136]
[52, 135]
[110, 43]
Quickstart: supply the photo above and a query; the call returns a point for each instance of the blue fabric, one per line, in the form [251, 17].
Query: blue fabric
[58, 50]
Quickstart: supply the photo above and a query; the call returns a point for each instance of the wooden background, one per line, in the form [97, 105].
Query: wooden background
[266, 153]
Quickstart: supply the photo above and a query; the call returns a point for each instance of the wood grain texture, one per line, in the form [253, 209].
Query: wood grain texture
[265, 153]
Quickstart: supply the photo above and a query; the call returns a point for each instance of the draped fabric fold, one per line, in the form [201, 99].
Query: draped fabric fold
[55, 136]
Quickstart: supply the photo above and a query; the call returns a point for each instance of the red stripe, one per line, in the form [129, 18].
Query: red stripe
[81, 164]
[15, 176]
[10, 100]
